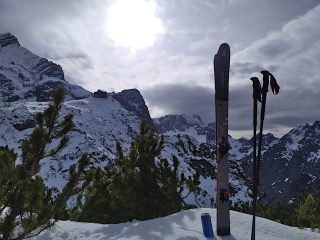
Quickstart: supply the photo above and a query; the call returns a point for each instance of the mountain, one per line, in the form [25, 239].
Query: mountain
[24, 75]
[102, 118]
[133, 101]
[198, 151]
[182, 225]
[293, 164]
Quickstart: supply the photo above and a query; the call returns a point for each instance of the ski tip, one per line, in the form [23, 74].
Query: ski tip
[224, 49]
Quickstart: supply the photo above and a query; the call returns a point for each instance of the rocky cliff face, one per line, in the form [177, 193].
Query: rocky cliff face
[8, 39]
[292, 165]
[45, 68]
[25, 75]
[133, 101]
[178, 123]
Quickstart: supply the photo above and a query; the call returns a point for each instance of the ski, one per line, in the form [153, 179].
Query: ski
[221, 76]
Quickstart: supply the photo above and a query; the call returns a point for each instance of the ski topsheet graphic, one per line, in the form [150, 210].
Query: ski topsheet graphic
[221, 75]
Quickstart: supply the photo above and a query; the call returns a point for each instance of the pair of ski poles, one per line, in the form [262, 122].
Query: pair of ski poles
[259, 95]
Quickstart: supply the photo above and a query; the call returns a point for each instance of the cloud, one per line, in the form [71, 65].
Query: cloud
[292, 54]
[178, 67]
[244, 68]
[191, 99]
[180, 99]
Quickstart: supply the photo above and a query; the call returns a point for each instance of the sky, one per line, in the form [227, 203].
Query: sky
[165, 49]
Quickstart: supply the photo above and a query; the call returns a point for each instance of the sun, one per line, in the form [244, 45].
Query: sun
[133, 24]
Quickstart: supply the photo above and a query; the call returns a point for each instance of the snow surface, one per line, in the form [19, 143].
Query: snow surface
[236, 152]
[293, 141]
[183, 225]
[191, 132]
[313, 156]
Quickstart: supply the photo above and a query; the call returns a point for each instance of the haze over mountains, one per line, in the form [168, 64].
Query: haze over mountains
[289, 163]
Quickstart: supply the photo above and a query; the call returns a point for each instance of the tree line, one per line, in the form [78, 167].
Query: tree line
[303, 213]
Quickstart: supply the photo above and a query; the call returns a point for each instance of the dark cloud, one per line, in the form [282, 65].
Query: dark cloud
[245, 68]
[181, 99]
[194, 99]
[275, 48]
[287, 109]
[291, 54]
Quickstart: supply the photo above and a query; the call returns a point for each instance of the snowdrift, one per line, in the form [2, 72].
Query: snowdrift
[183, 225]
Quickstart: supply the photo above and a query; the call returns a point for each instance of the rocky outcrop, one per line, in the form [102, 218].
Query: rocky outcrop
[133, 101]
[177, 123]
[43, 92]
[100, 94]
[48, 68]
[8, 39]
[29, 123]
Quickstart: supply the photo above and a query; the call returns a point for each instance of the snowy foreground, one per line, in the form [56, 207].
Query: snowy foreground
[179, 226]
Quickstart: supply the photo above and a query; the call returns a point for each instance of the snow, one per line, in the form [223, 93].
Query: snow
[16, 60]
[191, 132]
[242, 191]
[78, 92]
[192, 119]
[98, 124]
[236, 152]
[183, 225]
[295, 136]
[209, 185]
[312, 177]
[313, 156]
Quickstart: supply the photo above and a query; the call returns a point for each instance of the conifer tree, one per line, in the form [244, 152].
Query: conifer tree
[140, 185]
[27, 206]
[307, 212]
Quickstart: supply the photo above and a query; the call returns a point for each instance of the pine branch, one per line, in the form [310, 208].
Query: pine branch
[26, 235]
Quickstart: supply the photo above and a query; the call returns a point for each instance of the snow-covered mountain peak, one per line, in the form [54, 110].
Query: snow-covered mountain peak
[183, 124]
[314, 129]
[293, 140]
[194, 120]
[24, 75]
[177, 123]
[292, 163]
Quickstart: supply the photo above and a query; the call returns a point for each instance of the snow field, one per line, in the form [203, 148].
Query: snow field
[184, 225]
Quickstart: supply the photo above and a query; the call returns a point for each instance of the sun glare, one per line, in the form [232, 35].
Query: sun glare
[133, 24]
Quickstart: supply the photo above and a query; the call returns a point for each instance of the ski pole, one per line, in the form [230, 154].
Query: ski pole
[256, 97]
[275, 89]
[264, 92]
